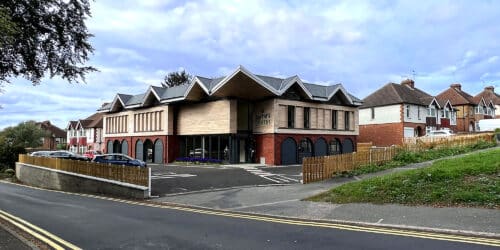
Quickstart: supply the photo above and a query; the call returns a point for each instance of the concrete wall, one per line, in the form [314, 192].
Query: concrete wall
[71, 182]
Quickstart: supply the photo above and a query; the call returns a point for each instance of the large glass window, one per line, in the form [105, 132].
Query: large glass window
[335, 147]
[307, 117]
[291, 116]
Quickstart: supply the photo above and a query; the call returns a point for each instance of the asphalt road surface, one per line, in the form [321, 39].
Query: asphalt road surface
[179, 179]
[94, 223]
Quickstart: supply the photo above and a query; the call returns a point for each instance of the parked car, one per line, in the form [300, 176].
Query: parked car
[40, 153]
[91, 153]
[198, 152]
[440, 133]
[67, 155]
[119, 159]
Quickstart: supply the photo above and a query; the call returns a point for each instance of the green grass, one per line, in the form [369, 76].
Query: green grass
[472, 180]
[404, 158]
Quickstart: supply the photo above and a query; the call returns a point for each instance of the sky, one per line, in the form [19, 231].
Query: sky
[361, 44]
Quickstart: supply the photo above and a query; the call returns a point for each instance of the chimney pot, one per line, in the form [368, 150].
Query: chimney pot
[456, 86]
[408, 82]
[491, 88]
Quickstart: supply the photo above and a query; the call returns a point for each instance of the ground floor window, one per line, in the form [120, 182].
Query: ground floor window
[205, 146]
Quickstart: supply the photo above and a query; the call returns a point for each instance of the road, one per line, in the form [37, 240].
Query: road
[90, 222]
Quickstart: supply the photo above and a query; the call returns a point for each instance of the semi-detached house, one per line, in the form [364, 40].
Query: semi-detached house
[242, 117]
[397, 111]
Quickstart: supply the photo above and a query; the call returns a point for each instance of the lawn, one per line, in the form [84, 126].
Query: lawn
[472, 180]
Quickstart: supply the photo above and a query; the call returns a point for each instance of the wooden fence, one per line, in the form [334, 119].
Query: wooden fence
[325, 167]
[132, 175]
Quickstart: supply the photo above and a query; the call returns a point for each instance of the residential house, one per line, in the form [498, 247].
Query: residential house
[242, 117]
[469, 109]
[491, 101]
[55, 137]
[86, 134]
[396, 111]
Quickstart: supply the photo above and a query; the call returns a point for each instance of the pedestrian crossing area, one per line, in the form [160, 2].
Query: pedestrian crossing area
[169, 175]
[276, 178]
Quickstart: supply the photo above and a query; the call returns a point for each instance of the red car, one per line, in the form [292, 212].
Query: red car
[92, 153]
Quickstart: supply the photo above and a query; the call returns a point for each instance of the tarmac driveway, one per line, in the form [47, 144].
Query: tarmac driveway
[169, 179]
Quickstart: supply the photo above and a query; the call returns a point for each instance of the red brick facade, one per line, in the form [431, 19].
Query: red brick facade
[381, 134]
[269, 145]
[168, 141]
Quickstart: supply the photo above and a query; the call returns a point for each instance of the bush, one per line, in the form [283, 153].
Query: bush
[9, 155]
[10, 171]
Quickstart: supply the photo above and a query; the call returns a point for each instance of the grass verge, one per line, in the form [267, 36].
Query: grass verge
[472, 181]
[405, 157]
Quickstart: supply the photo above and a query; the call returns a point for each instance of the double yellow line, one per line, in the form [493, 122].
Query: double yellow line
[298, 222]
[42, 235]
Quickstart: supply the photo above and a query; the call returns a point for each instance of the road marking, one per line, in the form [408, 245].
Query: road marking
[263, 204]
[169, 175]
[276, 178]
[298, 222]
[37, 232]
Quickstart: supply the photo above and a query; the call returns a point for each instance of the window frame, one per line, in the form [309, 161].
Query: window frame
[291, 116]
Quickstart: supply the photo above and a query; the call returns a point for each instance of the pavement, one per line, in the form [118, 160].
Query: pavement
[10, 240]
[287, 201]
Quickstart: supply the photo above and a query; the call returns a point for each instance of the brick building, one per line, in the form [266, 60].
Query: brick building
[55, 139]
[85, 134]
[238, 118]
[492, 101]
[469, 109]
[396, 111]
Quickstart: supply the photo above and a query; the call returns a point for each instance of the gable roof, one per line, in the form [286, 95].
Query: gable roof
[456, 96]
[489, 95]
[52, 129]
[393, 93]
[275, 85]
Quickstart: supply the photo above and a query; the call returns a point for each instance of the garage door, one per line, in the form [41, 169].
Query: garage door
[158, 152]
[288, 152]
[125, 147]
[347, 146]
[409, 132]
[139, 150]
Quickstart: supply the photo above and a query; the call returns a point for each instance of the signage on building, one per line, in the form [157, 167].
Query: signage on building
[262, 119]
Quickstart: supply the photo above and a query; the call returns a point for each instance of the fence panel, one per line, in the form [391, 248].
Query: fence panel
[325, 167]
[132, 175]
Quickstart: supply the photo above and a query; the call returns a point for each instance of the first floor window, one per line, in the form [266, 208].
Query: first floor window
[307, 115]
[334, 119]
[346, 120]
[291, 116]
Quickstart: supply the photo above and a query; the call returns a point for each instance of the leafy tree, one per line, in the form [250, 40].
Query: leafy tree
[25, 134]
[176, 78]
[39, 37]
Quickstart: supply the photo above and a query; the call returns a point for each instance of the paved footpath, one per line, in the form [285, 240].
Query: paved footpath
[287, 201]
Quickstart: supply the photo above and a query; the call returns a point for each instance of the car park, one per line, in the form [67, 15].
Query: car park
[92, 153]
[67, 155]
[40, 153]
[119, 159]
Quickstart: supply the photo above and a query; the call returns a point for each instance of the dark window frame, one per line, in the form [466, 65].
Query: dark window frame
[307, 117]
[291, 116]
[347, 124]
[335, 119]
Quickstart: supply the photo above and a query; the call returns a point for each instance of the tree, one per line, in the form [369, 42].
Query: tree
[176, 78]
[39, 37]
[25, 134]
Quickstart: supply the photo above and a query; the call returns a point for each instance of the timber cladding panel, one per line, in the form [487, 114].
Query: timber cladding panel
[217, 117]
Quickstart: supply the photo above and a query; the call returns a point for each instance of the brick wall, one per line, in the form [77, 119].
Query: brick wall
[269, 145]
[169, 145]
[382, 134]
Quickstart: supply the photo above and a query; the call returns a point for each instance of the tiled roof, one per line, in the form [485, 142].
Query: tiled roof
[489, 95]
[52, 129]
[275, 85]
[393, 93]
[456, 96]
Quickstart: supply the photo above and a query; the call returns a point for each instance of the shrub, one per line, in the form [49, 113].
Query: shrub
[10, 171]
[9, 155]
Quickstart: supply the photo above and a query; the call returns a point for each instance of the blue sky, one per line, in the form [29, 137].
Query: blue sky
[361, 44]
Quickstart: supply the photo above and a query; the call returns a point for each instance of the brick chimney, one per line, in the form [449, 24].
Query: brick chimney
[409, 83]
[490, 88]
[456, 86]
